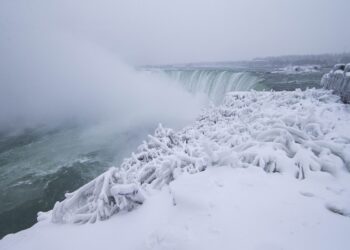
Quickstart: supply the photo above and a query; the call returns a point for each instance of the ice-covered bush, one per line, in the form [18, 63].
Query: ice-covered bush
[295, 133]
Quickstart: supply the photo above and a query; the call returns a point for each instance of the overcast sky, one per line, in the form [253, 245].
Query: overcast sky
[65, 59]
[163, 31]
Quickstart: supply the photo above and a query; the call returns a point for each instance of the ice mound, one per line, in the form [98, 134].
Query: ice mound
[299, 133]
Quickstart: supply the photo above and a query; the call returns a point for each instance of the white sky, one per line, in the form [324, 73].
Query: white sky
[63, 59]
[163, 31]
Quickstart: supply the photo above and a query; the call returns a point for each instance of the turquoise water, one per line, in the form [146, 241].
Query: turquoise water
[38, 166]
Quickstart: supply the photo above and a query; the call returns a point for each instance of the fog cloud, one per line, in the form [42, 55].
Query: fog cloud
[55, 78]
[61, 59]
[158, 31]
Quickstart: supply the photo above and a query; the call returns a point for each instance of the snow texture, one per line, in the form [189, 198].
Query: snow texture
[297, 133]
[338, 80]
[265, 170]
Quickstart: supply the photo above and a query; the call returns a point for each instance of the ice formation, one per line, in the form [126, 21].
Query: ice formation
[338, 80]
[294, 133]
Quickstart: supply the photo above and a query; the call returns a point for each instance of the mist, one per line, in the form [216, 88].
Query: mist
[64, 60]
[60, 78]
[161, 32]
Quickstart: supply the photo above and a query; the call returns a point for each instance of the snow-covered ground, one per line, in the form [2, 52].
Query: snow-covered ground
[265, 170]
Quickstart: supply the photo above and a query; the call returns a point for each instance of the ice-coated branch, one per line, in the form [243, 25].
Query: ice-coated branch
[280, 132]
[98, 200]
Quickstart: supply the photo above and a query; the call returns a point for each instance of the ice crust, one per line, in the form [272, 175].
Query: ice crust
[298, 134]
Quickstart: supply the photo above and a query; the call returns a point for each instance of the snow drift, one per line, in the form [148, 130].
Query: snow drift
[298, 134]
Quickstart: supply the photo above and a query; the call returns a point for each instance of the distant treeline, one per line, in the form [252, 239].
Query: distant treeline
[324, 60]
[327, 60]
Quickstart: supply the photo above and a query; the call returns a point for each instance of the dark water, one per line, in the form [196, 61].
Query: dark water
[38, 166]
[290, 82]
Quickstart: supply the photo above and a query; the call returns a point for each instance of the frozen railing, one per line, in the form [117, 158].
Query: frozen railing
[338, 80]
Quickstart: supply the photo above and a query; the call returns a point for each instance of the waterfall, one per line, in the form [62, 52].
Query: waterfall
[215, 83]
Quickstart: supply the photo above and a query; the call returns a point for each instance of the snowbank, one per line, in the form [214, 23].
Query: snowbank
[221, 208]
[338, 80]
[209, 185]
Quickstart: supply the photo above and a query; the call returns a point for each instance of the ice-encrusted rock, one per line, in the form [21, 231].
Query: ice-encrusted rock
[291, 133]
[338, 80]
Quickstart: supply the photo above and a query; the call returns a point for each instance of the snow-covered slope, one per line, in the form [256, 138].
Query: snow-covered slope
[221, 208]
[265, 170]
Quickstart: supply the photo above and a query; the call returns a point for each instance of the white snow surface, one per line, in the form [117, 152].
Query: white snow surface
[264, 170]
